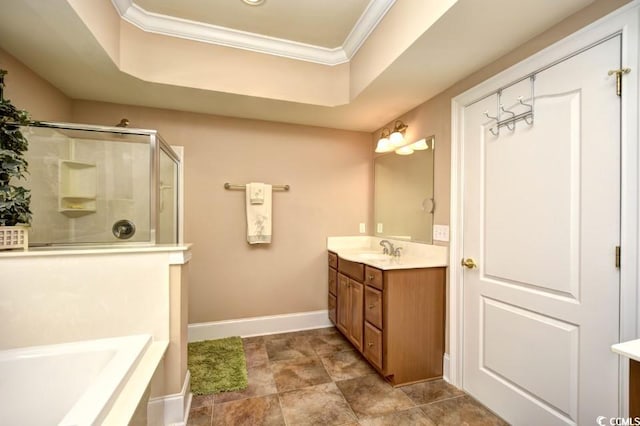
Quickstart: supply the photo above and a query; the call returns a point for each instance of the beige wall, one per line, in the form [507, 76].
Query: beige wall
[330, 173]
[28, 91]
[434, 116]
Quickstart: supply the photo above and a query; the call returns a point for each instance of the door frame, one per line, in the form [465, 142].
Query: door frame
[625, 21]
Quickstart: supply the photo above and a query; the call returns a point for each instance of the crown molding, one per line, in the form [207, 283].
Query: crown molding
[208, 33]
[368, 21]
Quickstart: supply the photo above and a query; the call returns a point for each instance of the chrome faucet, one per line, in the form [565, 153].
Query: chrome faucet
[387, 247]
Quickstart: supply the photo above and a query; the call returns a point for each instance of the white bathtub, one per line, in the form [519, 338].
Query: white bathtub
[66, 384]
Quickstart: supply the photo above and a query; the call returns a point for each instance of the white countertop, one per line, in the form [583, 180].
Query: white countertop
[630, 349]
[367, 250]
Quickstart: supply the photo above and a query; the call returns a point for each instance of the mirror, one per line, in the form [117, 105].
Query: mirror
[403, 195]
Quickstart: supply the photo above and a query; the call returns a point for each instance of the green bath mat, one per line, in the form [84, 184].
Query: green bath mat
[217, 366]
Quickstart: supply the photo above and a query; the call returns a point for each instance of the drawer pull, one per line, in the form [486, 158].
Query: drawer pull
[372, 306]
[370, 277]
[369, 344]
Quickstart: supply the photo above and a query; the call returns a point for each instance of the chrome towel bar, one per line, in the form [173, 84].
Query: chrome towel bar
[230, 186]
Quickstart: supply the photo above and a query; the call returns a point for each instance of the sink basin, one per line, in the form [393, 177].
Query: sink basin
[374, 256]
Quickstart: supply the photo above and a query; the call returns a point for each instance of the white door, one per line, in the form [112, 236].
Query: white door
[541, 221]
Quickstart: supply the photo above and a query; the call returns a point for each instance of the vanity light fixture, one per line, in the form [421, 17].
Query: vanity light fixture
[397, 136]
[253, 2]
[405, 150]
[384, 145]
[420, 145]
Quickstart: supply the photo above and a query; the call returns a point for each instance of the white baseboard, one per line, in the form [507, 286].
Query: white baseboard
[171, 410]
[445, 368]
[258, 326]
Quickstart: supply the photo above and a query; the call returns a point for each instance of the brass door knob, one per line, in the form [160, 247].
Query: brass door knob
[469, 263]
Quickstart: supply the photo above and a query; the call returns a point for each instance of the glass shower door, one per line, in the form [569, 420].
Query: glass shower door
[167, 228]
[88, 186]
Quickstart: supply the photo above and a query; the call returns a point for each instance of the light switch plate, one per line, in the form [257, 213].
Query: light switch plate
[379, 228]
[363, 228]
[441, 232]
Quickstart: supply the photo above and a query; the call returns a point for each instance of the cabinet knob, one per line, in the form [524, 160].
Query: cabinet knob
[370, 277]
[369, 344]
[372, 306]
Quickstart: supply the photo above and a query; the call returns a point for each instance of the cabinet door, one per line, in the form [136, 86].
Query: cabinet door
[332, 281]
[332, 308]
[343, 312]
[357, 313]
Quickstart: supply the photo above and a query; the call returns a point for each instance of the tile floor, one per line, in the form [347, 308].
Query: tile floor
[316, 378]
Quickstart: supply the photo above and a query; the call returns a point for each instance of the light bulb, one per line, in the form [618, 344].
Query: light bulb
[384, 145]
[396, 138]
[420, 145]
[405, 150]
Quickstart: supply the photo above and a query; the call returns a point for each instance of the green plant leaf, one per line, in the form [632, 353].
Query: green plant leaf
[14, 200]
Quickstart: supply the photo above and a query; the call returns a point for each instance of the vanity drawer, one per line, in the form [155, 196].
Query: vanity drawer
[373, 345]
[373, 306]
[332, 308]
[353, 270]
[333, 260]
[332, 281]
[373, 277]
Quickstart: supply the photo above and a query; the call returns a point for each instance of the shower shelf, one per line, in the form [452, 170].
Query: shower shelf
[77, 187]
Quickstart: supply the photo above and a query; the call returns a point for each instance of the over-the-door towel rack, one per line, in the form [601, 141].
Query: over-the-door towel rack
[228, 185]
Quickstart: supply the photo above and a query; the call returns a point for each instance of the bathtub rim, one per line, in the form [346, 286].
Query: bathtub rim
[111, 380]
[98, 398]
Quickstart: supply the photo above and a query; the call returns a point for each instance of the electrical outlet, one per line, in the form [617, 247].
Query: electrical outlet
[379, 228]
[441, 232]
[363, 228]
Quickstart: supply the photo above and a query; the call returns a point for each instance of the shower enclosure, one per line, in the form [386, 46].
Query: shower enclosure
[101, 185]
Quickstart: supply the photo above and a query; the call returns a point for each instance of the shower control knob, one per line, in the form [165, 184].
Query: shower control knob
[123, 229]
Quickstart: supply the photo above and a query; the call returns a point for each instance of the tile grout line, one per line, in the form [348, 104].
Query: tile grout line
[440, 400]
[347, 402]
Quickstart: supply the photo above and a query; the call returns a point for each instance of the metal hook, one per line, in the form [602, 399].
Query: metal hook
[529, 117]
[522, 103]
[507, 111]
[510, 124]
[490, 117]
[494, 133]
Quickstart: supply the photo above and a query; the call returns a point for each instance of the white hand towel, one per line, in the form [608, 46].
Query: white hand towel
[259, 218]
[256, 192]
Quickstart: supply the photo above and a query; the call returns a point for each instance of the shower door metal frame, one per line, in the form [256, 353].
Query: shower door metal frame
[159, 144]
[156, 144]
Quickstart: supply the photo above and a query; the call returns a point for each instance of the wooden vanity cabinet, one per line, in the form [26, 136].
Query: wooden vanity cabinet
[333, 291]
[395, 318]
[350, 301]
